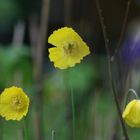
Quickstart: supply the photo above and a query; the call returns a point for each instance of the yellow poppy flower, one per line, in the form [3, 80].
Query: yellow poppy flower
[131, 113]
[14, 103]
[70, 48]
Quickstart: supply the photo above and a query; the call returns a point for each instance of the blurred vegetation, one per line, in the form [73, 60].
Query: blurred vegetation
[96, 117]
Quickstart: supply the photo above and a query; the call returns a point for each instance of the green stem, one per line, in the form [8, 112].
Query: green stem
[25, 132]
[1, 129]
[73, 112]
[53, 135]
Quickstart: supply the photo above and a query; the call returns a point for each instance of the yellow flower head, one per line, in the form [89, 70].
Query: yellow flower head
[131, 113]
[70, 48]
[14, 103]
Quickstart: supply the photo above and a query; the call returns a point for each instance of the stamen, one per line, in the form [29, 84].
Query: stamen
[68, 49]
[17, 102]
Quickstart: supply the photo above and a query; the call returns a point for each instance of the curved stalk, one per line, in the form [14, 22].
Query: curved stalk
[110, 70]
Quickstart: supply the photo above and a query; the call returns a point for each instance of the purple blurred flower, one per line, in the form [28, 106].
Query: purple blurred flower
[130, 51]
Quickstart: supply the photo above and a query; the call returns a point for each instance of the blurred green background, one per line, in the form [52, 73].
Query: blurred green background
[95, 112]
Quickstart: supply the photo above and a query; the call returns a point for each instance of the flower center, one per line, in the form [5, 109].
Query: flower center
[17, 102]
[70, 47]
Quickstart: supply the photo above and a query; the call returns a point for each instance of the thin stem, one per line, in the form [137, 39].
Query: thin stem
[25, 132]
[53, 135]
[1, 129]
[73, 112]
[123, 26]
[110, 69]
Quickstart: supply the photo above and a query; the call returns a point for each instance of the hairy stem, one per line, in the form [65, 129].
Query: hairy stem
[110, 70]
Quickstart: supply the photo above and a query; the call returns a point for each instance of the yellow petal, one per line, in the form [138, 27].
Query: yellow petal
[62, 35]
[70, 48]
[131, 113]
[14, 103]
